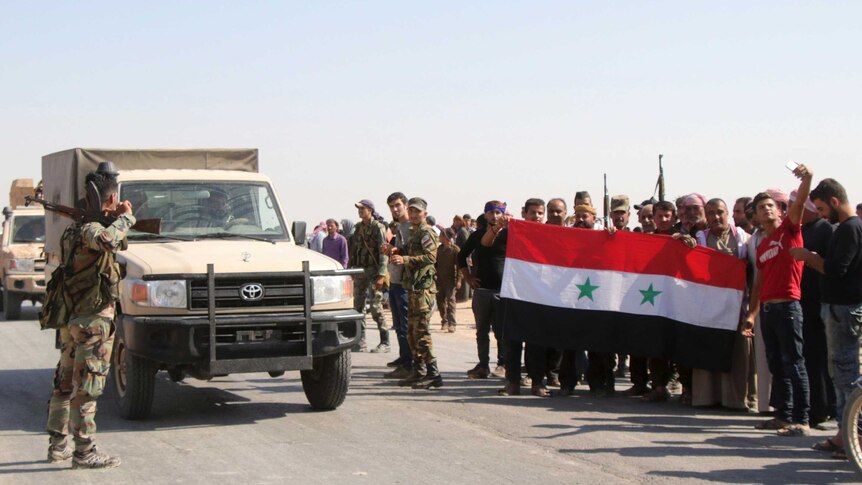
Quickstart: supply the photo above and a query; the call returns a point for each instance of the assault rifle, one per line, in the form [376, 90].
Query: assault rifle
[152, 226]
[607, 204]
[659, 185]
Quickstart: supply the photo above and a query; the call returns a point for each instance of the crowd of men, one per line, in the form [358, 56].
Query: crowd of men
[796, 351]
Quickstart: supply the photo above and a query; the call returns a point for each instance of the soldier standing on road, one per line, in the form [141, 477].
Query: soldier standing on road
[368, 236]
[91, 285]
[418, 280]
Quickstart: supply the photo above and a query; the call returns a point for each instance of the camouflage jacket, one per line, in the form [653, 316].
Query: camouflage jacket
[419, 268]
[93, 275]
[365, 247]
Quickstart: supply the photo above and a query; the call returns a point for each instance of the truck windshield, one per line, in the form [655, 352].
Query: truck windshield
[28, 229]
[191, 209]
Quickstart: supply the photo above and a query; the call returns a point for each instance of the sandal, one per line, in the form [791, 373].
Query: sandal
[540, 391]
[509, 390]
[772, 424]
[795, 430]
[656, 395]
[839, 454]
[826, 445]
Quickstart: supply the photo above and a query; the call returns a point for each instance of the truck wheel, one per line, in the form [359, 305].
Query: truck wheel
[134, 380]
[326, 384]
[12, 305]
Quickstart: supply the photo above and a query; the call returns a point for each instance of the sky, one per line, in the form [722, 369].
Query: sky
[456, 102]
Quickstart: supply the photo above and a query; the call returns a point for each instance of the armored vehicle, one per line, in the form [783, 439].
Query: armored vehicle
[22, 263]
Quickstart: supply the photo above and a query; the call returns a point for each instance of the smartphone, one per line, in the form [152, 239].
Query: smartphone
[791, 165]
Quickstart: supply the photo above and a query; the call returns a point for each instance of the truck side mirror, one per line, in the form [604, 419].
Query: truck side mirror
[299, 233]
[6, 213]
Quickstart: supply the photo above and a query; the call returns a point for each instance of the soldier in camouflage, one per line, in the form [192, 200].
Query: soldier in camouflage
[418, 280]
[91, 284]
[368, 238]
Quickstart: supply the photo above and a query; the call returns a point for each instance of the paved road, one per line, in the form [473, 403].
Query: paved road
[254, 429]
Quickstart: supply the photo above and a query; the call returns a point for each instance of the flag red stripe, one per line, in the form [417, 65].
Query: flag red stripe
[624, 251]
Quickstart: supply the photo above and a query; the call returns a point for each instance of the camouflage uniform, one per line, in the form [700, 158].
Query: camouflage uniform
[419, 283]
[87, 340]
[365, 253]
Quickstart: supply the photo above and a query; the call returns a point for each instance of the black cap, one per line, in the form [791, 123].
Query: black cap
[107, 168]
[650, 201]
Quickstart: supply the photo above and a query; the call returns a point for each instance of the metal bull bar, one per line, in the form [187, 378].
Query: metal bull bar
[264, 364]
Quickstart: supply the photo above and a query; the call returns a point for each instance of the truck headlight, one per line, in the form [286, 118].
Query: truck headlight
[161, 293]
[331, 289]
[22, 265]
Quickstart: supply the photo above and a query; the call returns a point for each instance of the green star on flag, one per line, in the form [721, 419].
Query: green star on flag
[649, 295]
[586, 290]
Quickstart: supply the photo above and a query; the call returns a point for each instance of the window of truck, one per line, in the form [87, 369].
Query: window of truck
[201, 208]
[28, 229]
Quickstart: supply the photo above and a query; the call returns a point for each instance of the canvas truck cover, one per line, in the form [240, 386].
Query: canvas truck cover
[63, 173]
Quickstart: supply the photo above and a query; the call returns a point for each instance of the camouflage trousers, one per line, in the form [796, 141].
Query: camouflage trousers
[85, 358]
[363, 291]
[420, 306]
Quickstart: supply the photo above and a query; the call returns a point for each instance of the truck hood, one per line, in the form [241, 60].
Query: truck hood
[228, 256]
[24, 251]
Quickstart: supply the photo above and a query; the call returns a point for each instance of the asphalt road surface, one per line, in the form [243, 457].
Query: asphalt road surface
[253, 429]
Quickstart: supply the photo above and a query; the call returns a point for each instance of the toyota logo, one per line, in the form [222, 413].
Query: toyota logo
[251, 292]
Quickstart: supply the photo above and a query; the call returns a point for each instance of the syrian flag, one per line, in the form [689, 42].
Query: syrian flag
[640, 294]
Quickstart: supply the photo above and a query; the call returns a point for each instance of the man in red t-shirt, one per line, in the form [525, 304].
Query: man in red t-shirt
[775, 294]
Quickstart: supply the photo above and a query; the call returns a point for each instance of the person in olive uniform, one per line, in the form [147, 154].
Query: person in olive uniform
[91, 289]
[418, 280]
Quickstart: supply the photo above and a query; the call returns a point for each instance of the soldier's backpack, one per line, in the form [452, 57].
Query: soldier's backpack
[89, 290]
[55, 312]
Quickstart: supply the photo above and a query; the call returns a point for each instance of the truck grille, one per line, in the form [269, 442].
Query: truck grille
[40, 265]
[275, 292]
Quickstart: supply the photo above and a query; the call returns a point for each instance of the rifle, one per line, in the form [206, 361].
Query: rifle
[152, 226]
[607, 203]
[660, 183]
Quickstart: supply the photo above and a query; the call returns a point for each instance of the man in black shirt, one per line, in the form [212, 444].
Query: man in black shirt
[816, 233]
[486, 284]
[841, 293]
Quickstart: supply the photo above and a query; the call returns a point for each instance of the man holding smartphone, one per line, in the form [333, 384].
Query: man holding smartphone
[775, 294]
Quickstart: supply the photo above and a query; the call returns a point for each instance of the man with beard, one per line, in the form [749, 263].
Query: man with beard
[486, 284]
[692, 218]
[736, 389]
[775, 295]
[368, 237]
[645, 216]
[620, 213]
[418, 279]
[816, 233]
[841, 295]
[400, 229]
[740, 219]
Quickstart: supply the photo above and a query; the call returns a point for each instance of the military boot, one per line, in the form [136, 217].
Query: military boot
[416, 375]
[58, 449]
[93, 459]
[431, 379]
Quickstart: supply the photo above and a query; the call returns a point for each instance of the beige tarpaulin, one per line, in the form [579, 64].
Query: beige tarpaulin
[63, 172]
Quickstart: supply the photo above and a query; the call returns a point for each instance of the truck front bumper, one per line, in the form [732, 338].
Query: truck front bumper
[244, 343]
[26, 284]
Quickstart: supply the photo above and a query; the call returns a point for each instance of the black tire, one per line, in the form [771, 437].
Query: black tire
[134, 380]
[326, 385]
[11, 305]
[850, 429]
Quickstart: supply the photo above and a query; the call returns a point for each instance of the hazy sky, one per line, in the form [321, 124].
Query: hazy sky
[457, 102]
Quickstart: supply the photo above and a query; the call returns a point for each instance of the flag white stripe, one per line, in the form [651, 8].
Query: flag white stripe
[680, 300]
